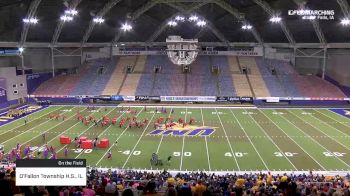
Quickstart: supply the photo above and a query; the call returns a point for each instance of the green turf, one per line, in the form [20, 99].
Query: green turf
[244, 139]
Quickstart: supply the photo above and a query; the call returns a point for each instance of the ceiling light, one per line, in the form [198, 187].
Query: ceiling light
[172, 23]
[126, 27]
[66, 18]
[193, 18]
[201, 23]
[72, 12]
[247, 27]
[345, 22]
[30, 20]
[275, 19]
[98, 20]
[180, 18]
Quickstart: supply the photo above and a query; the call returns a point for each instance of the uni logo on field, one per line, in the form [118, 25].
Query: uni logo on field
[347, 112]
[178, 130]
[342, 112]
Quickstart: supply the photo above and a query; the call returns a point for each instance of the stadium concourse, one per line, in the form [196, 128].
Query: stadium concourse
[175, 97]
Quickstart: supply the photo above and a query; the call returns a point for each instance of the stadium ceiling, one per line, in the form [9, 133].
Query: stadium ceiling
[149, 19]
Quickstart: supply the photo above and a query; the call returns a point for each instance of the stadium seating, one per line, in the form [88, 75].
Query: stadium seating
[118, 75]
[169, 84]
[271, 81]
[101, 80]
[200, 81]
[50, 86]
[88, 80]
[234, 66]
[140, 64]
[255, 79]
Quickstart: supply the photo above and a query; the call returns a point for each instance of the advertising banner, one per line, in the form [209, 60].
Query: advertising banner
[189, 98]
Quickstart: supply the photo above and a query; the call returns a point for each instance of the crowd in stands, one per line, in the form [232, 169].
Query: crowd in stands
[200, 184]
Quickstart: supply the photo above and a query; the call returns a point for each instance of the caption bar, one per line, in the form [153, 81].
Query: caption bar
[50, 172]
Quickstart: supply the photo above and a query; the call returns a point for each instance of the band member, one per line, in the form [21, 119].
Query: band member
[66, 151]
[109, 154]
[43, 136]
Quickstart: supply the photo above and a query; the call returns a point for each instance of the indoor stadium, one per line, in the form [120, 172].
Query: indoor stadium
[175, 97]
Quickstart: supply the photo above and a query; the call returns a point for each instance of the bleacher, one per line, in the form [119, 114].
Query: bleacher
[254, 77]
[50, 86]
[229, 81]
[118, 75]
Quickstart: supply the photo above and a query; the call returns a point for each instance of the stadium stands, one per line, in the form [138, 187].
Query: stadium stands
[50, 86]
[118, 76]
[101, 80]
[254, 77]
[271, 81]
[132, 79]
[229, 81]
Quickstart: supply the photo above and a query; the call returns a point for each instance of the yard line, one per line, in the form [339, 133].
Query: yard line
[324, 132]
[115, 141]
[345, 124]
[102, 132]
[48, 130]
[28, 121]
[138, 141]
[228, 141]
[206, 143]
[83, 132]
[183, 145]
[292, 139]
[34, 127]
[313, 139]
[332, 119]
[271, 139]
[57, 136]
[239, 123]
[161, 139]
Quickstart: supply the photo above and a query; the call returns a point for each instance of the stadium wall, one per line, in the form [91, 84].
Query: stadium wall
[16, 86]
[339, 66]
[337, 63]
[40, 60]
[10, 61]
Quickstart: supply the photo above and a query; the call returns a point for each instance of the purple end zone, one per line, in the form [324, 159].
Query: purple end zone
[342, 112]
[4, 121]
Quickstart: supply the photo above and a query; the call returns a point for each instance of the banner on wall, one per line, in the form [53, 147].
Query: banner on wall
[3, 95]
[117, 98]
[221, 99]
[189, 98]
[129, 98]
[272, 99]
[247, 99]
[142, 98]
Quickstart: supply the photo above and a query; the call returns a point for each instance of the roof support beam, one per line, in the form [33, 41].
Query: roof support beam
[344, 6]
[315, 24]
[181, 10]
[134, 16]
[240, 16]
[109, 5]
[60, 24]
[319, 32]
[265, 6]
[210, 25]
[30, 14]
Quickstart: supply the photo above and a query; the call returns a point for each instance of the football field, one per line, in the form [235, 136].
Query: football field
[221, 139]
